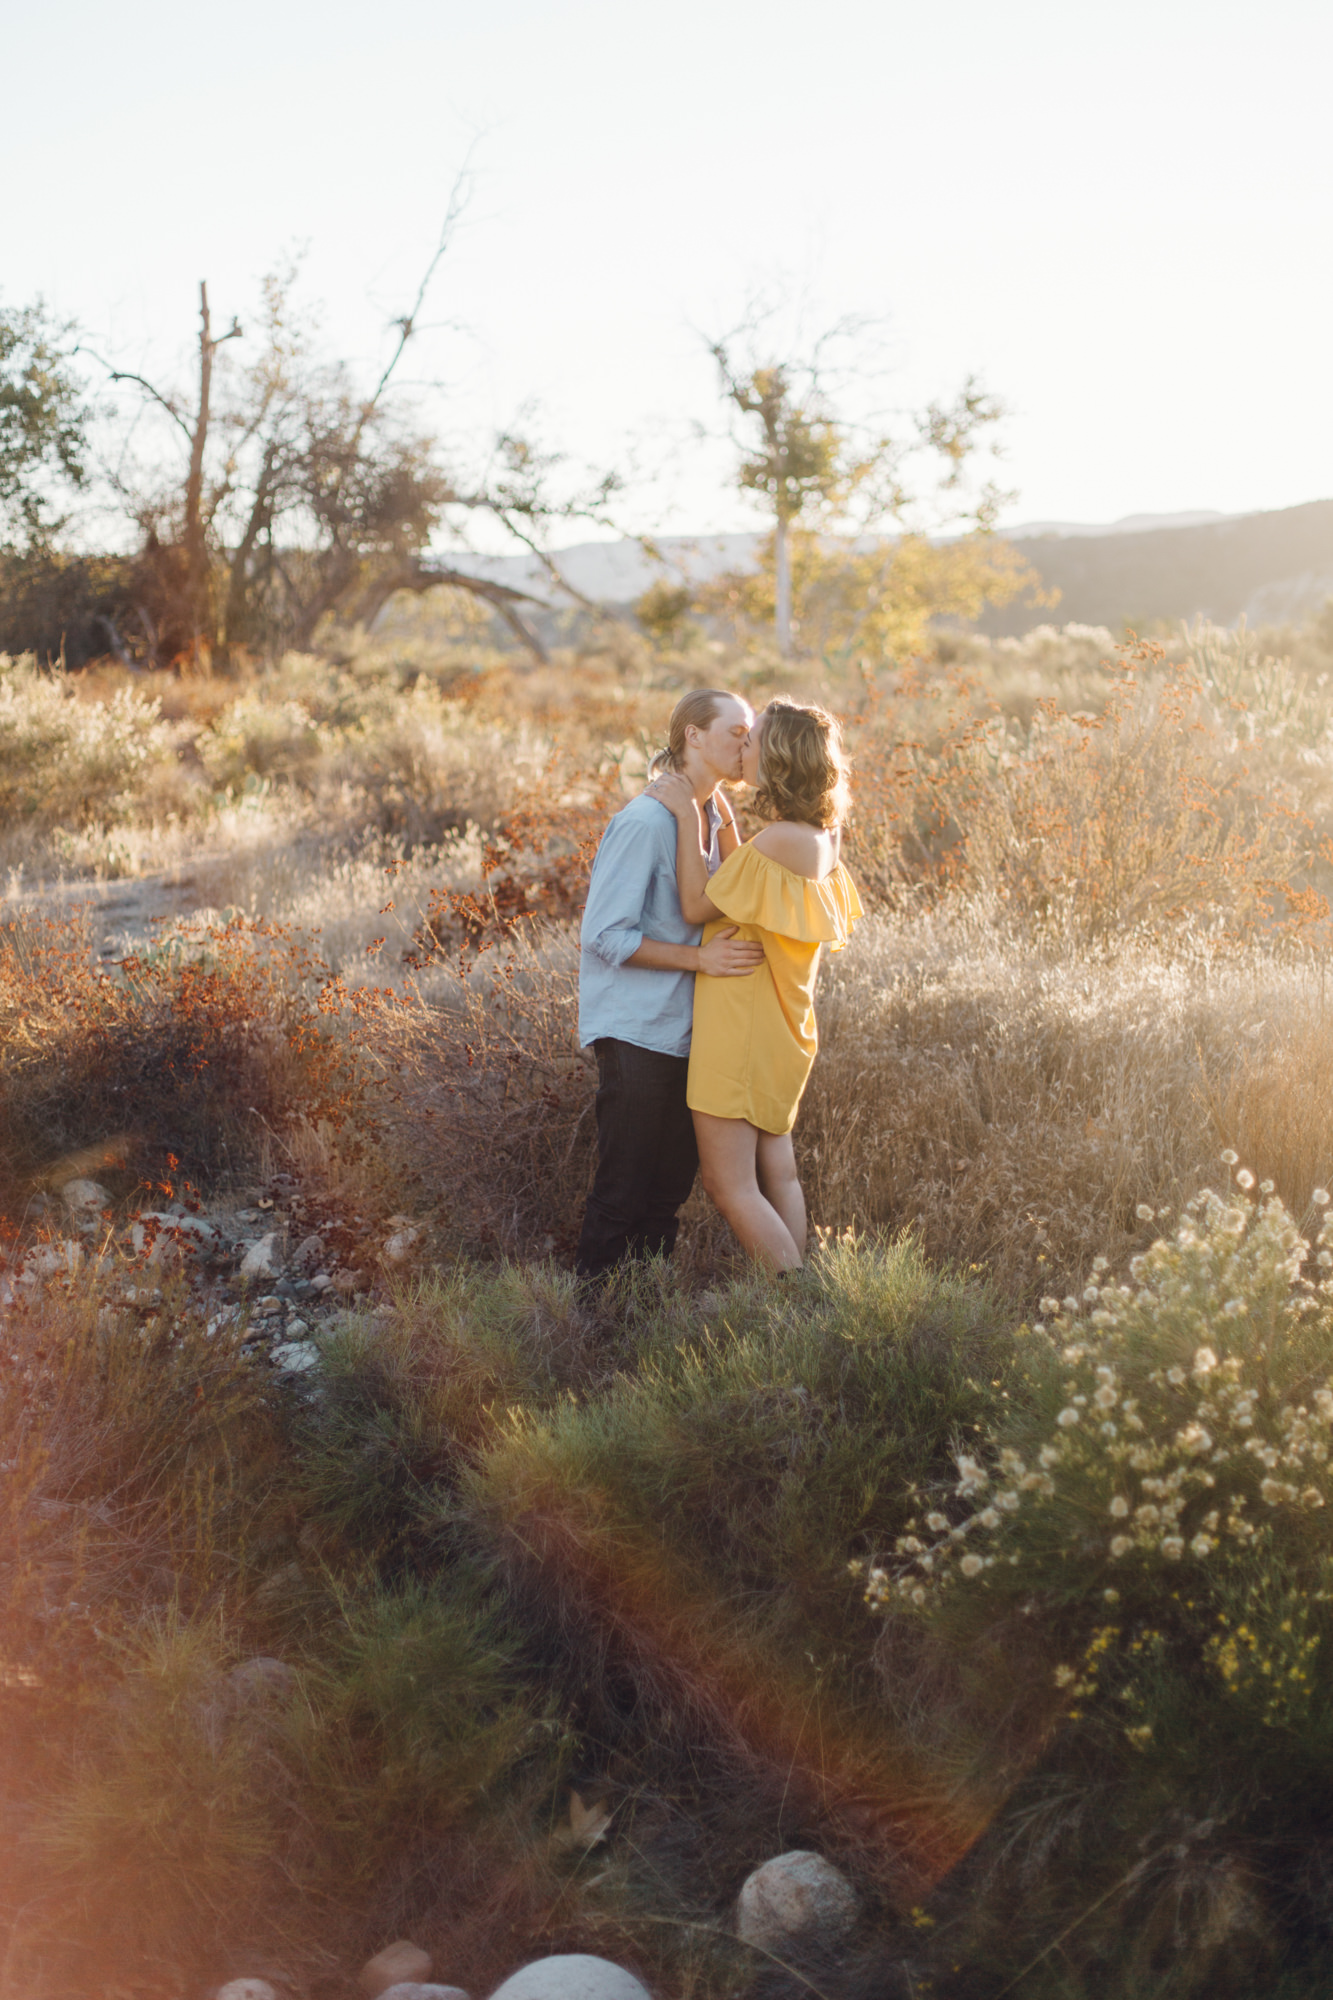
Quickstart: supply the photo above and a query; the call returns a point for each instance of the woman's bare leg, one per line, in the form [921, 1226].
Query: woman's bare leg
[779, 1183]
[727, 1150]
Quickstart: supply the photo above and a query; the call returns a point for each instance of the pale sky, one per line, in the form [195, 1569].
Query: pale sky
[1121, 216]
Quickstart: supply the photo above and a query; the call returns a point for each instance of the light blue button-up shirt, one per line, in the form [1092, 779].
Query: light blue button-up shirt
[633, 896]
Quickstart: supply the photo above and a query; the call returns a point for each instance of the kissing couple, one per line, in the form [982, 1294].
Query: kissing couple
[697, 976]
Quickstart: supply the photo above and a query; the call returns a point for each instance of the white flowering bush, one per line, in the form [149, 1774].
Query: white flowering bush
[1161, 1498]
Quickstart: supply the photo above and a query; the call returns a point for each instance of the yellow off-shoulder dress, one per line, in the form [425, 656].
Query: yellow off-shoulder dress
[755, 1038]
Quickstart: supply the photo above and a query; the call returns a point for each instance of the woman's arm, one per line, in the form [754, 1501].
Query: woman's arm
[675, 793]
[696, 905]
[728, 834]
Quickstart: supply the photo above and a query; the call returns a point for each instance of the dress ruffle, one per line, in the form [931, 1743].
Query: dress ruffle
[752, 888]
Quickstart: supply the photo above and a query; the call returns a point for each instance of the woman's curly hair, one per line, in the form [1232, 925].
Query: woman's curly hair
[802, 766]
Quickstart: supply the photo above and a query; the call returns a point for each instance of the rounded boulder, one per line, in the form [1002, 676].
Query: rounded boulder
[415, 1989]
[85, 1194]
[401, 1963]
[796, 1897]
[572, 1976]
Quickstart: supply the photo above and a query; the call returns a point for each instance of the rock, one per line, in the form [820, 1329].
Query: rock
[295, 1357]
[572, 1976]
[50, 1260]
[246, 1989]
[81, 1194]
[170, 1238]
[401, 1245]
[401, 1963]
[308, 1251]
[261, 1680]
[796, 1896]
[412, 1989]
[321, 1281]
[262, 1260]
[295, 1328]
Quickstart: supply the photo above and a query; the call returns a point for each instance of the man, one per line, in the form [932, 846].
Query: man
[636, 991]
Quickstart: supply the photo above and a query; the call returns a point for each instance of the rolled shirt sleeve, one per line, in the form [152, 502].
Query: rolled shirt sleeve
[618, 892]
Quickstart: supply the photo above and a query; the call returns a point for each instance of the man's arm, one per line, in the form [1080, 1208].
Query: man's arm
[724, 957]
[621, 873]
[612, 919]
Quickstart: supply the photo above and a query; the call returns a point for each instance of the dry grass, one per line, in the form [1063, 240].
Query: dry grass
[1013, 1107]
[1016, 1106]
[517, 1540]
[172, 1065]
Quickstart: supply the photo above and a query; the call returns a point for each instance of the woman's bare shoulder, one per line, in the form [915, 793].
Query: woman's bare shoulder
[806, 850]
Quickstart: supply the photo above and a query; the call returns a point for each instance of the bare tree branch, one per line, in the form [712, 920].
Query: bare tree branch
[128, 375]
[547, 562]
[459, 195]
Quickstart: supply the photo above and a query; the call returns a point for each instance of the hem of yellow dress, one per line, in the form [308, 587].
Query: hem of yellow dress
[729, 1103]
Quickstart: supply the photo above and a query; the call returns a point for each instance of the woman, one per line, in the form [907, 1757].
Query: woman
[755, 1039]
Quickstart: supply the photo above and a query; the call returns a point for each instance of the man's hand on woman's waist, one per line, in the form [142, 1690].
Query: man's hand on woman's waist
[725, 956]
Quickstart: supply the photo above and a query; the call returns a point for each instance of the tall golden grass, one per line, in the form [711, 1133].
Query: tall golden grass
[518, 1541]
[1095, 956]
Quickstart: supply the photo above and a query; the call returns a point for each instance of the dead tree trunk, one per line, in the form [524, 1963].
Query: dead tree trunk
[198, 569]
[196, 545]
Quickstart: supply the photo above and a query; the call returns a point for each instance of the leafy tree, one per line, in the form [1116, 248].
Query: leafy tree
[663, 612]
[880, 599]
[795, 456]
[43, 425]
[836, 489]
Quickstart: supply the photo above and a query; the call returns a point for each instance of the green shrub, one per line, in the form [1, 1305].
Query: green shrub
[414, 1709]
[161, 1809]
[797, 1420]
[412, 1402]
[674, 1543]
[162, 1823]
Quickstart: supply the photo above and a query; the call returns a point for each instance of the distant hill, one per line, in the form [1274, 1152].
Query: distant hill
[1268, 568]
[1144, 570]
[618, 572]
